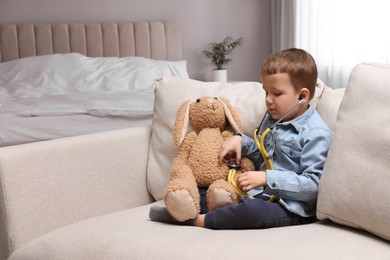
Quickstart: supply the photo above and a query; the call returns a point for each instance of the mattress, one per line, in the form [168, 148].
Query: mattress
[19, 130]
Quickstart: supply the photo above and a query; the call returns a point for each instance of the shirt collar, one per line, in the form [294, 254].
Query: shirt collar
[296, 122]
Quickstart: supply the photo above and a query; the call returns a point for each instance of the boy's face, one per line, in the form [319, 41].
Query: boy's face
[281, 96]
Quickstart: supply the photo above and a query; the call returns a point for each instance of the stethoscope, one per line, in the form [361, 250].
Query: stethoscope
[259, 140]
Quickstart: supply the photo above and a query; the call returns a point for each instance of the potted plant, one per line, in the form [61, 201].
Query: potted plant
[219, 54]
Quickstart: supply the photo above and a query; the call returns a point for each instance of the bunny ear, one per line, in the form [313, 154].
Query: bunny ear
[231, 115]
[181, 123]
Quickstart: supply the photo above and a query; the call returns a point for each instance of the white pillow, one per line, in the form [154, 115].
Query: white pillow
[63, 73]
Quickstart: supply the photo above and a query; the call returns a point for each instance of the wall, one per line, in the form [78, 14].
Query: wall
[202, 22]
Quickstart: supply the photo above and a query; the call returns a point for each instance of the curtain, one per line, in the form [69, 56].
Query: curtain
[283, 24]
[339, 34]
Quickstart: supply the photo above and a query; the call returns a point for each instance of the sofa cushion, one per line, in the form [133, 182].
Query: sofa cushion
[328, 103]
[354, 189]
[170, 93]
[130, 234]
[246, 97]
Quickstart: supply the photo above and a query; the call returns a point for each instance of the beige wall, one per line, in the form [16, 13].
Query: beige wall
[202, 21]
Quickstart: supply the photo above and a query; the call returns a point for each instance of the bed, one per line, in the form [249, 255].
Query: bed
[59, 80]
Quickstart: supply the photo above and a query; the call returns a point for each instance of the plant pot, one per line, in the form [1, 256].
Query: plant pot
[220, 76]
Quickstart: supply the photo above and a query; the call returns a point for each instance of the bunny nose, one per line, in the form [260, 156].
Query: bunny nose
[210, 100]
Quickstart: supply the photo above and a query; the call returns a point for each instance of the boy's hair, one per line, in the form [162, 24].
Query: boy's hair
[297, 63]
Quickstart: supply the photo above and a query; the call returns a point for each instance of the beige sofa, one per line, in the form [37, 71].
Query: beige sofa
[88, 197]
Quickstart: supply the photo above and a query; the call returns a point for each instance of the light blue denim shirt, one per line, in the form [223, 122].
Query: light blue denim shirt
[298, 150]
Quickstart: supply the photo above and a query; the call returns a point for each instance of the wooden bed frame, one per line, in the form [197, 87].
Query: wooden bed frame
[156, 40]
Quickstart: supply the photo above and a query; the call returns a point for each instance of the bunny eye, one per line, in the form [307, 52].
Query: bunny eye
[215, 98]
[198, 100]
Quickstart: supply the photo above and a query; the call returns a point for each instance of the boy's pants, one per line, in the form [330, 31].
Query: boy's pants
[254, 213]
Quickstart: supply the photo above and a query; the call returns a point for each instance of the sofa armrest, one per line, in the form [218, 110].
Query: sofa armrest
[47, 185]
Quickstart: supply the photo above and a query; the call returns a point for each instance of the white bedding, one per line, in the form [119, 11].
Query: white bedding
[19, 130]
[118, 103]
[52, 96]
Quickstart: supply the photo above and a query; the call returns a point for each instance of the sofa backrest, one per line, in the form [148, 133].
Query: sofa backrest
[354, 188]
[246, 97]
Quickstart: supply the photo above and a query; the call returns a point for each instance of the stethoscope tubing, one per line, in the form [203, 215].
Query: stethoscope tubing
[262, 150]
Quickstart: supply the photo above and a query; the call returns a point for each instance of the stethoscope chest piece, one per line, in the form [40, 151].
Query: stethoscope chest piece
[232, 163]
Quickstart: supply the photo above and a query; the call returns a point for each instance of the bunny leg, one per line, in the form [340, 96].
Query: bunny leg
[182, 197]
[221, 193]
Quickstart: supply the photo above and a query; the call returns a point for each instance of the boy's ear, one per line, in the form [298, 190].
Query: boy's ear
[304, 93]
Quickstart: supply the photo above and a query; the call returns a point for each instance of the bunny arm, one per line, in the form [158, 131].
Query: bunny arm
[183, 152]
[226, 134]
[246, 165]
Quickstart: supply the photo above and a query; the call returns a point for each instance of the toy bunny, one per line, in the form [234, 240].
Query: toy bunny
[195, 164]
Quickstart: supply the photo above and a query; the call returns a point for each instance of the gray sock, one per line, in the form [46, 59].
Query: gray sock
[161, 214]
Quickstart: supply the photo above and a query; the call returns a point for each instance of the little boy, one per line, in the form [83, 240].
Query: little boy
[298, 146]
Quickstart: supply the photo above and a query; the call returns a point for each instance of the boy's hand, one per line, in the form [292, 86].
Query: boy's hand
[251, 180]
[229, 148]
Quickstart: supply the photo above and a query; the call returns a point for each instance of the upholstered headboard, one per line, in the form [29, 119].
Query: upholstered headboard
[156, 40]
